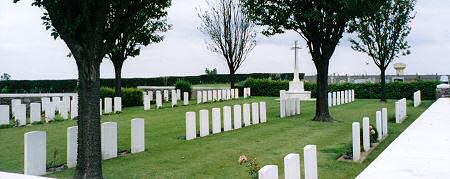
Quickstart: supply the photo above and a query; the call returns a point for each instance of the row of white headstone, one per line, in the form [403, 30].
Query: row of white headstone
[254, 115]
[175, 96]
[340, 97]
[107, 107]
[49, 107]
[417, 98]
[292, 166]
[381, 127]
[204, 96]
[35, 150]
[289, 106]
[400, 110]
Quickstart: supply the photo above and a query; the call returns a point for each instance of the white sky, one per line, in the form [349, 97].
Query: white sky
[27, 51]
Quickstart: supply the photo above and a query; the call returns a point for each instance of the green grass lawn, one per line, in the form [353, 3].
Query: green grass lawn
[168, 155]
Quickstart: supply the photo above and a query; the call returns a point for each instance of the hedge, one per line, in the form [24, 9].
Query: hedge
[395, 90]
[130, 96]
[68, 86]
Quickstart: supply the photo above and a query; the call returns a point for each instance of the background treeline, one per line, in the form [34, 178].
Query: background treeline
[66, 86]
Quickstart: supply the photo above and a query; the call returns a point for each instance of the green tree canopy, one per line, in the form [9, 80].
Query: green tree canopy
[321, 23]
[383, 36]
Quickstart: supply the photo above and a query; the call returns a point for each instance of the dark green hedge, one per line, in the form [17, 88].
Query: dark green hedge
[395, 90]
[130, 96]
[64, 86]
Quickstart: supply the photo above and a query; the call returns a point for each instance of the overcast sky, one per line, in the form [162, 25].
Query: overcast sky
[27, 51]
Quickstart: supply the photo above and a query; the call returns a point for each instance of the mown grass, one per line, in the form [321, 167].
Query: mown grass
[168, 155]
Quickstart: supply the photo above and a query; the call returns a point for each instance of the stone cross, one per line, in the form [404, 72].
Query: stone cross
[296, 48]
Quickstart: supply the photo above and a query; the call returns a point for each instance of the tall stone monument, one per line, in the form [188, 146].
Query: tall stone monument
[296, 86]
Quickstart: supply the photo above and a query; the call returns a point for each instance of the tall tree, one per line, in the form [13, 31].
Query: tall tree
[383, 36]
[231, 33]
[143, 29]
[89, 28]
[321, 23]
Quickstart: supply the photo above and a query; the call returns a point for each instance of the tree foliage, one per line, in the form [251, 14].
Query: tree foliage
[230, 32]
[383, 36]
[321, 23]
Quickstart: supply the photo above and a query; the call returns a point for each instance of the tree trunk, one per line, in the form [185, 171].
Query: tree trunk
[383, 85]
[118, 63]
[322, 112]
[89, 157]
[232, 79]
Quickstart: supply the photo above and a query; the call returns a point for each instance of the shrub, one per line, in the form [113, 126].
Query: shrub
[395, 90]
[130, 96]
[184, 86]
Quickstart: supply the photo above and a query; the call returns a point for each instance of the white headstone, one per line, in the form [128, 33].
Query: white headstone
[205, 96]
[417, 98]
[166, 95]
[228, 94]
[174, 98]
[232, 94]
[246, 114]
[108, 105]
[224, 94]
[117, 104]
[310, 157]
[397, 112]
[73, 109]
[147, 102]
[297, 106]
[268, 172]
[334, 98]
[63, 111]
[227, 118]
[347, 96]
[150, 94]
[292, 166]
[384, 118]
[236, 93]
[158, 100]
[219, 95]
[379, 125]
[44, 102]
[204, 123]
[338, 98]
[245, 93]
[35, 112]
[137, 135]
[15, 102]
[282, 103]
[185, 98]
[72, 146]
[191, 131]
[249, 92]
[4, 114]
[330, 100]
[356, 141]
[353, 95]
[109, 140]
[66, 100]
[366, 134]
[342, 97]
[214, 95]
[178, 94]
[210, 95]
[50, 112]
[199, 97]
[35, 153]
[262, 112]
[237, 111]
[255, 113]
[216, 122]
[21, 114]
